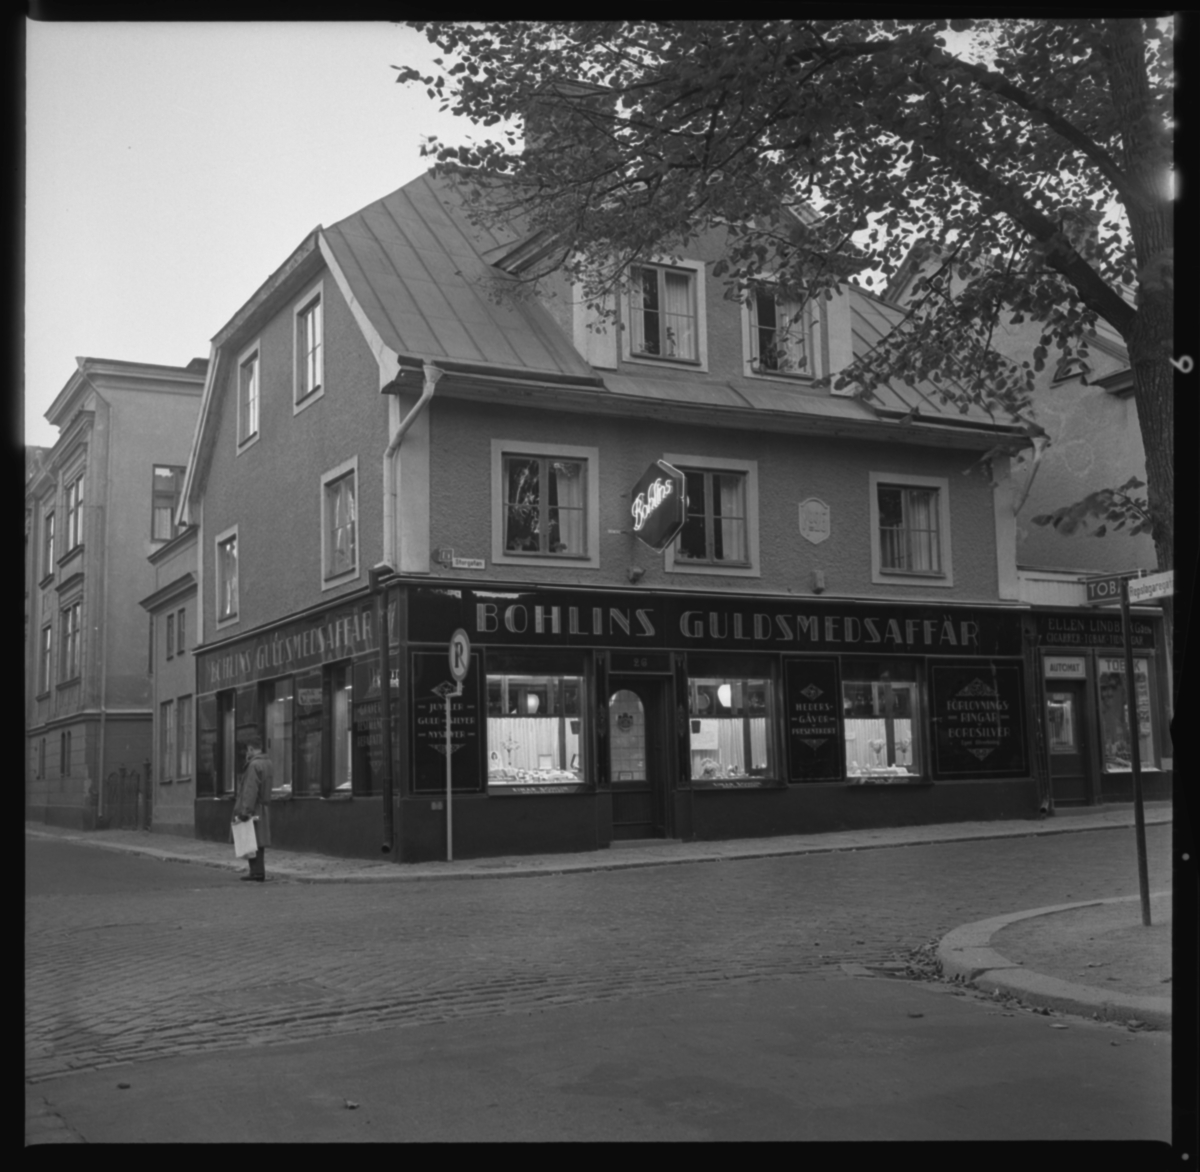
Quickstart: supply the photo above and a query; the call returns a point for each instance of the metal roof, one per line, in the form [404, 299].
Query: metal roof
[413, 263]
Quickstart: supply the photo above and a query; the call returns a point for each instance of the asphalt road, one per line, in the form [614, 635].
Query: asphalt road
[713, 1000]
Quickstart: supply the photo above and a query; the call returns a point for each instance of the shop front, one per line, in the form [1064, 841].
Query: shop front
[589, 718]
[1085, 698]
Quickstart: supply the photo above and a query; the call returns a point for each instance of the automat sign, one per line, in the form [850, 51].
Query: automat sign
[659, 505]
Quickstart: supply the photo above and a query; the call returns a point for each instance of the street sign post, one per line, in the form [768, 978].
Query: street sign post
[1121, 588]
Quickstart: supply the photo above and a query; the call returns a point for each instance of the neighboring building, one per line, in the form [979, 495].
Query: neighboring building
[171, 635]
[835, 637]
[99, 504]
[1088, 410]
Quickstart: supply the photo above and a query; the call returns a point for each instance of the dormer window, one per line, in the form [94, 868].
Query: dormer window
[781, 334]
[663, 313]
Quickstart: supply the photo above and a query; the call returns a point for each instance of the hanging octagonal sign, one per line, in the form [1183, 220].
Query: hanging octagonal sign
[659, 505]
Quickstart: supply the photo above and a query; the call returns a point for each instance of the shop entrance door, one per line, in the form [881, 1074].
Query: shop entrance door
[1066, 736]
[638, 756]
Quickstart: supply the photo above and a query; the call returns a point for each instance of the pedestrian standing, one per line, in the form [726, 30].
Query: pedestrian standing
[253, 801]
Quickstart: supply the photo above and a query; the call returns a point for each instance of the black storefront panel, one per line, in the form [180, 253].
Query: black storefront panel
[814, 724]
[978, 719]
[430, 679]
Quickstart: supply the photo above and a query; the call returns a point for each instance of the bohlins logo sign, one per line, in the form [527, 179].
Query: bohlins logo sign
[659, 505]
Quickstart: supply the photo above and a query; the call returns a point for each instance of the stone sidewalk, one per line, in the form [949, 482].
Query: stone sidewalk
[313, 868]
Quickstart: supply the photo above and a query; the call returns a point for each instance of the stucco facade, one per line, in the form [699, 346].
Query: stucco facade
[87, 689]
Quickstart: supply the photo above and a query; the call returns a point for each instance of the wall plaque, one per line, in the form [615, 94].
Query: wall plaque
[814, 520]
[814, 724]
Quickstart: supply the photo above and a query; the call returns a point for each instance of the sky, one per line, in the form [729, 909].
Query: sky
[171, 168]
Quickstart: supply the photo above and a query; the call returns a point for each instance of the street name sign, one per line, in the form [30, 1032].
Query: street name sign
[1106, 589]
[1152, 586]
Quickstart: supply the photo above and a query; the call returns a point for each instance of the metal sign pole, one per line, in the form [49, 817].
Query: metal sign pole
[1135, 754]
[449, 770]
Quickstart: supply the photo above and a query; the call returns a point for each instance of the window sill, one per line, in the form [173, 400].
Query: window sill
[724, 783]
[308, 400]
[46, 581]
[248, 442]
[166, 781]
[864, 782]
[669, 359]
[43, 695]
[73, 682]
[342, 579]
[890, 573]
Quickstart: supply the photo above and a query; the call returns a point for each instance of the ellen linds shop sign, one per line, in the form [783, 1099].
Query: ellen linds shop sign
[588, 619]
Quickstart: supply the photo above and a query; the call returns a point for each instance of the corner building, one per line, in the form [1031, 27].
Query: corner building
[834, 637]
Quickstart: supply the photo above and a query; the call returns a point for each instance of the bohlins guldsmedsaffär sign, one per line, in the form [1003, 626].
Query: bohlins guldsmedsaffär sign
[658, 505]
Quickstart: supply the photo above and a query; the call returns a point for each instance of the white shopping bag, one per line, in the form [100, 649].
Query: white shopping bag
[245, 844]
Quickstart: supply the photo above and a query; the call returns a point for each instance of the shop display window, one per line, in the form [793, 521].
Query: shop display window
[881, 709]
[278, 732]
[729, 727]
[1114, 715]
[535, 731]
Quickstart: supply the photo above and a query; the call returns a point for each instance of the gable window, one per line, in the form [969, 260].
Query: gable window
[781, 334]
[664, 313]
[44, 659]
[248, 392]
[48, 544]
[310, 347]
[227, 577]
[167, 482]
[339, 537]
[70, 640]
[75, 513]
[910, 523]
[545, 504]
[715, 528]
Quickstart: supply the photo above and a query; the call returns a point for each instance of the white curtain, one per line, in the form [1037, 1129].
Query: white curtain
[530, 742]
[791, 340]
[639, 303]
[921, 523]
[733, 513]
[342, 506]
[567, 478]
[678, 317]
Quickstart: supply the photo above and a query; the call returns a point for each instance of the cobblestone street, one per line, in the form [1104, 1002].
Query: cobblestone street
[170, 970]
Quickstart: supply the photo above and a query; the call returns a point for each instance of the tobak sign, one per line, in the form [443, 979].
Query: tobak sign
[659, 505]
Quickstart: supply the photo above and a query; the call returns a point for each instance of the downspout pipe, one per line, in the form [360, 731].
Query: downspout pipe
[432, 374]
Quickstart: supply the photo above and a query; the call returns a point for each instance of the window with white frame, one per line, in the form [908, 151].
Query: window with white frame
[183, 737]
[70, 640]
[339, 536]
[665, 313]
[781, 334]
[910, 524]
[248, 396]
[720, 532]
[75, 513]
[167, 481]
[545, 503]
[227, 576]
[309, 375]
[48, 544]
[44, 660]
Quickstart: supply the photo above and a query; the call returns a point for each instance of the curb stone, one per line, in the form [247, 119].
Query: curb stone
[965, 955]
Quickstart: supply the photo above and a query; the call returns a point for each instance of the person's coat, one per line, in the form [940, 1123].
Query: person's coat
[254, 794]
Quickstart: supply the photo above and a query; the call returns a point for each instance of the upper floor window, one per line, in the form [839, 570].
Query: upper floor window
[781, 334]
[44, 659]
[75, 513]
[715, 529]
[48, 544]
[179, 625]
[227, 576]
[339, 537]
[310, 346]
[168, 480]
[166, 740]
[910, 522]
[545, 503]
[248, 395]
[171, 636]
[664, 313]
[70, 640]
[720, 531]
